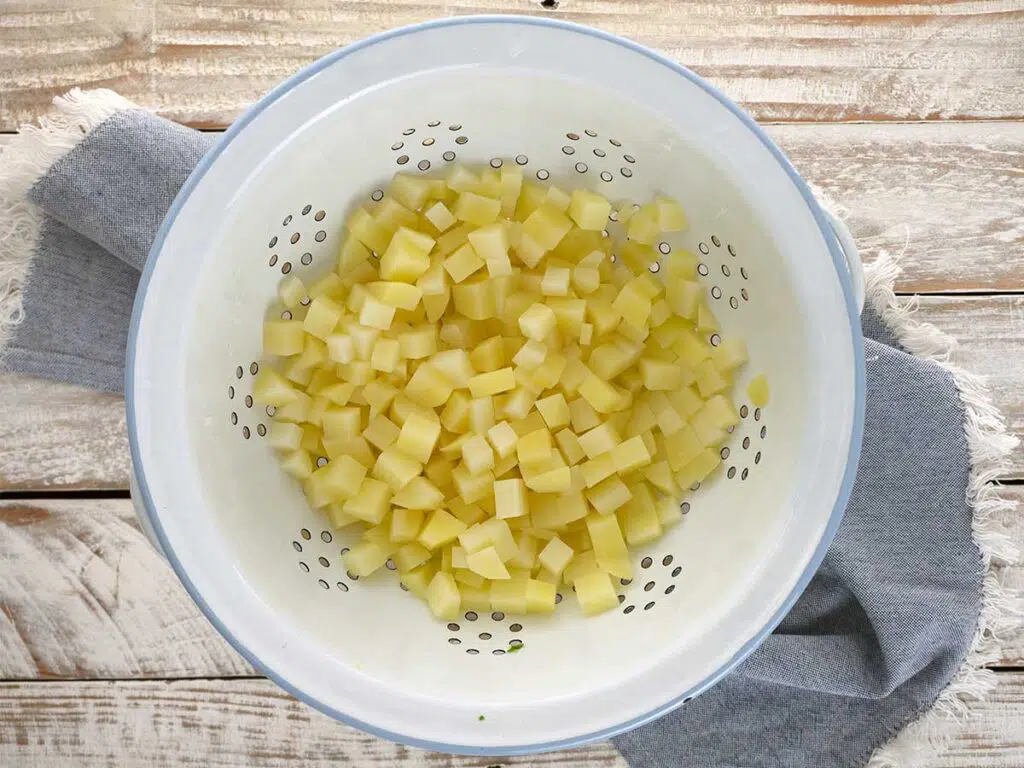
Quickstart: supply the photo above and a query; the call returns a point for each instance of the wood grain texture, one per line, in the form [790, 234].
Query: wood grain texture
[138, 724]
[55, 437]
[85, 596]
[203, 61]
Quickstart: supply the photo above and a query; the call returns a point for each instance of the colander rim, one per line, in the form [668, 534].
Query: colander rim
[856, 434]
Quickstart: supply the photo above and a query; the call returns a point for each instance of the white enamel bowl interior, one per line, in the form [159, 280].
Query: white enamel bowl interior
[267, 569]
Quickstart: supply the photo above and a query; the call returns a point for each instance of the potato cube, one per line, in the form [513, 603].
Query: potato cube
[411, 555]
[557, 480]
[283, 337]
[537, 322]
[608, 495]
[557, 511]
[271, 388]
[474, 299]
[643, 225]
[583, 415]
[385, 355]
[476, 209]
[477, 455]
[555, 281]
[371, 503]
[530, 355]
[472, 487]
[395, 468]
[534, 448]
[757, 391]
[698, 468]
[443, 596]
[439, 215]
[418, 437]
[597, 469]
[492, 382]
[658, 374]
[284, 436]
[428, 387]
[683, 297]
[709, 380]
[555, 556]
[503, 439]
[375, 314]
[406, 256]
[405, 527]
[659, 475]
[490, 242]
[595, 593]
[463, 263]
[599, 394]
[555, 410]
[298, 464]
[493, 532]
[418, 579]
[487, 563]
[291, 291]
[570, 446]
[509, 596]
[631, 454]
[366, 557]
[546, 226]
[609, 545]
[441, 528]
[598, 440]
[510, 498]
[670, 215]
[381, 432]
[418, 493]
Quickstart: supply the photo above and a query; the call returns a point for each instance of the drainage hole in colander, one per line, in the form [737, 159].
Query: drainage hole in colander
[496, 162]
[599, 153]
[629, 159]
[377, 195]
[343, 586]
[757, 457]
[324, 584]
[326, 537]
[515, 627]
[471, 616]
[454, 641]
[744, 294]
[460, 140]
[744, 473]
[320, 236]
[731, 251]
[248, 401]
[703, 248]
[433, 124]
[472, 651]
[746, 443]
[231, 393]
[423, 165]
[724, 453]
[271, 410]
[568, 150]
[287, 220]
[449, 156]
[605, 176]
[304, 567]
[261, 430]
[629, 609]
[286, 315]
[685, 507]
[733, 303]
[744, 410]
[573, 136]
[306, 209]
[622, 599]
[324, 562]
[615, 143]
[649, 606]
[351, 575]
[321, 462]
[646, 562]
[428, 142]
[558, 598]
[397, 146]
[626, 172]
[666, 560]
[455, 127]
[648, 586]
[402, 159]
[676, 571]
[715, 241]
[408, 131]
[670, 589]
[522, 159]
[664, 248]
[296, 546]
[764, 431]
[702, 269]
[715, 339]
[286, 268]
[743, 273]
[234, 419]
[273, 260]
[731, 473]
[273, 242]
[716, 292]
[725, 270]
[543, 175]
[344, 550]
[498, 652]
[453, 626]
[581, 167]
[498, 616]
[515, 642]
[655, 267]
[625, 582]
[757, 414]
[294, 238]
[485, 635]
[306, 534]
[390, 565]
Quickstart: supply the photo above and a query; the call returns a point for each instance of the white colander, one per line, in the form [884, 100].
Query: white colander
[579, 108]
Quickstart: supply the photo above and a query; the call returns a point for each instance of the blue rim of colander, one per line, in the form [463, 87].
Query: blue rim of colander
[855, 437]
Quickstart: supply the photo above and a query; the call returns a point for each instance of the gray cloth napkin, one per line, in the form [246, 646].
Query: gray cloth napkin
[884, 625]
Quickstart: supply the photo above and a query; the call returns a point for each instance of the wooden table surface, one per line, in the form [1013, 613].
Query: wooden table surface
[909, 114]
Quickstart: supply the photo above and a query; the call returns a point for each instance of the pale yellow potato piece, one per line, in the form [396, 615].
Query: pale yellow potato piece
[487, 563]
[477, 455]
[503, 439]
[492, 382]
[757, 391]
[537, 322]
[555, 556]
[418, 493]
[441, 528]
[396, 469]
[595, 593]
[443, 596]
[489, 355]
[366, 557]
[405, 527]
[608, 495]
[439, 215]
[510, 498]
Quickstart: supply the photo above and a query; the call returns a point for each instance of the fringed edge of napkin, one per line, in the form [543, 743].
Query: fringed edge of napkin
[990, 447]
[23, 162]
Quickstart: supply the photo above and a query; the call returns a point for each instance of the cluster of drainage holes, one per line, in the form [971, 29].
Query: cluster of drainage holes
[598, 152]
[650, 583]
[761, 433]
[408, 137]
[326, 537]
[261, 429]
[475, 637]
[306, 258]
[704, 271]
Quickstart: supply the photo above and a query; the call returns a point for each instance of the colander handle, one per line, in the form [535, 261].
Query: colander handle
[142, 515]
[852, 256]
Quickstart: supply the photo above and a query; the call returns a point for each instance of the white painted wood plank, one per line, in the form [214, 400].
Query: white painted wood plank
[203, 61]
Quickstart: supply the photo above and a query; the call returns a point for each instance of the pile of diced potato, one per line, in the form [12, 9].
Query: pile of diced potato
[497, 390]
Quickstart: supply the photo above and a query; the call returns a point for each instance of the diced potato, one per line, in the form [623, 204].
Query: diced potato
[371, 503]
[598, 440]
[476, 209]
[670, 215]
[546, 226]
[443, 596]
[595, 593]
[406, 256]
[757, 391]
[555, 556]
[642, 523]
[385, 355]
[439, 215]
[503, 439]
[510, 498]
[441, 528]
[492, 382]
[366, 557]
[540, 596]
[537, 322]
[608, 495]
[405, 527]
[418, 493]
[631, 454]
[702, 465]
[298, 464]
[472, 487]
[428, 387]
[396, 469]
[487, 563]
[609, 545]
[601, 396]
[410, 556]
[477, 455]
[589, 210]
